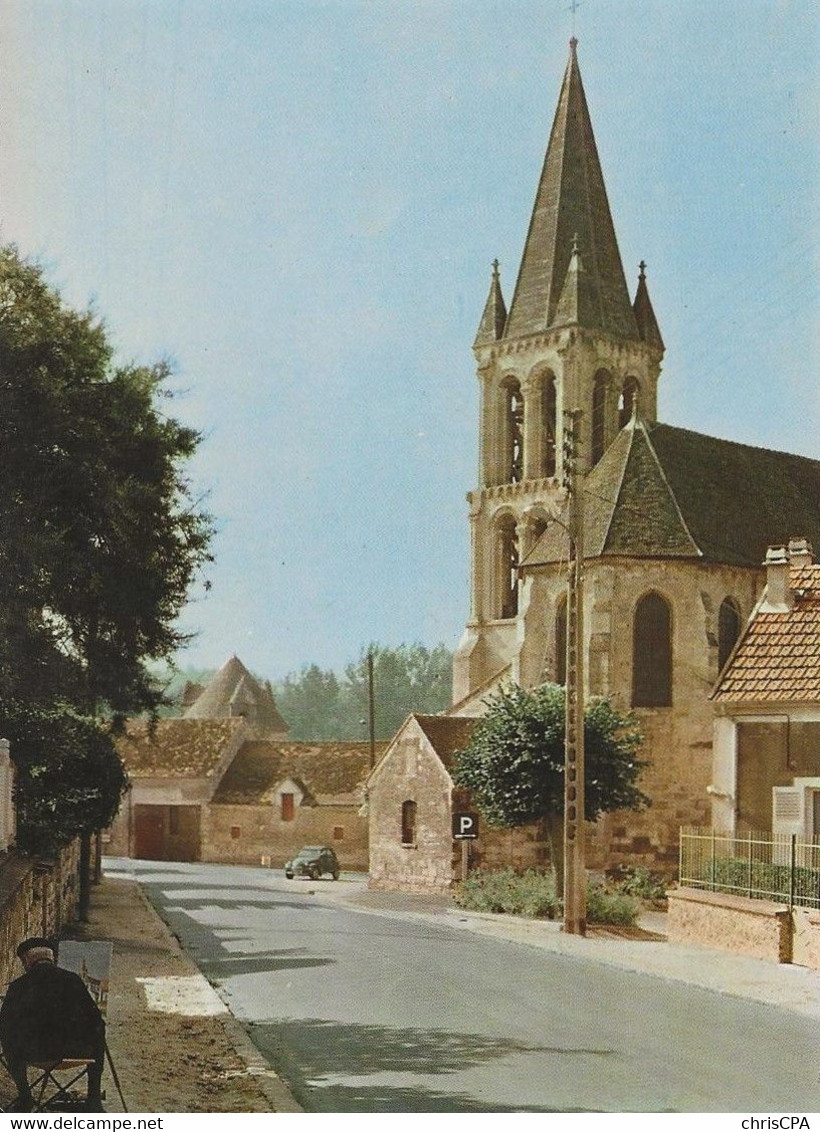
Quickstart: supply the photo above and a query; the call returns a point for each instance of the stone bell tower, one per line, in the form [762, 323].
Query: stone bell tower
[572, 340]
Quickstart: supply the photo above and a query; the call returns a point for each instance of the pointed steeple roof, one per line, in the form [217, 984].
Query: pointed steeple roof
[571, 201]
[577, 304]
[491, 327]
[644, 314]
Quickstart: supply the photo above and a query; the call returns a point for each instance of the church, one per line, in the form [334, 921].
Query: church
[676, 524]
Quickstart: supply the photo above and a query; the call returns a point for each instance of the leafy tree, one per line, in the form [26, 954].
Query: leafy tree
[319, 706]
[99, 537]
[514, 763]
[99, 543]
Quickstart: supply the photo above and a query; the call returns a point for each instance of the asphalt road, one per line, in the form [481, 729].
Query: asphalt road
[370, 1013]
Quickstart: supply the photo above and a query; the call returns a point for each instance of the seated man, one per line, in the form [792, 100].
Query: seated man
[48, 1015]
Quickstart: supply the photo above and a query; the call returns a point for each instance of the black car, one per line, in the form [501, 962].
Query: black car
[313, 861]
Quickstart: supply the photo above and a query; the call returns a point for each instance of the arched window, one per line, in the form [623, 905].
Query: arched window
[599, 415]
[728, 630]
[561, 641]
[628, 401]
[408, 823]
[652, 653]
[507, 567]
[515, 432]
[549, 411]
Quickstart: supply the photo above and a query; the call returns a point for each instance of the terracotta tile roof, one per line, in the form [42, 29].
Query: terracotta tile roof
[447, 733]
[328, 771]
[176, 748]
[778, 658]
[664, 492]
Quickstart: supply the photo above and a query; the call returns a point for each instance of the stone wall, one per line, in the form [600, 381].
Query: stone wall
[677, 739]
[244, 834]
[36, 898]
[758, 928]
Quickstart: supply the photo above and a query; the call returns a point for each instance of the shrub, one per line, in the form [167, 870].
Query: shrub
[529, 894]
[532, 894]
[605, 906]
[639, 882]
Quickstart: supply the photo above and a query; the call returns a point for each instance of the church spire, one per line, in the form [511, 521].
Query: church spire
[570, 203]
[491, 327]
[644, 313]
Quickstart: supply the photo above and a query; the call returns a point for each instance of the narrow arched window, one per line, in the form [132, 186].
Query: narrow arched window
[598, 416]
[549, 411]
[728, 630]
[627, 402]
[515, 432]
[652, 653]
[507, 567]
[408, 823]
[561, 641]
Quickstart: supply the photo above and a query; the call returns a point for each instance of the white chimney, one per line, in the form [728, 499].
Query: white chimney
[778, 597]
[800, 552]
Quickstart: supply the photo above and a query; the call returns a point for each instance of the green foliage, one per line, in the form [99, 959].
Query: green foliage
[100, 541]
[761, 878]
[320, 706]
[69, 776]
[639, 882]
[514, 763]
[608, 906]
[99, 537]
[504, 890]
[532, 894]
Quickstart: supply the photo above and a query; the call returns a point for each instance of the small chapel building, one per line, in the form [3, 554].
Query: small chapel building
[676, 524]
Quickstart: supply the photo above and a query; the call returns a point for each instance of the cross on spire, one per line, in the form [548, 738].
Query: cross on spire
[573, 7]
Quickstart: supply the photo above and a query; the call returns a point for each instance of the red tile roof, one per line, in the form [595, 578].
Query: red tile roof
[778, 658]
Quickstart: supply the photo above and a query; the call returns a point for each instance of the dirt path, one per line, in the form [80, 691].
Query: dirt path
[174, 1045]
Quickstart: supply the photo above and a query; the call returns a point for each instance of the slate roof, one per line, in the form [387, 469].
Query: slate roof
[176, 748]
[778, 658]
[233, 688]
[447, 734]
[570, 203]
[665, 492]
[329, 772]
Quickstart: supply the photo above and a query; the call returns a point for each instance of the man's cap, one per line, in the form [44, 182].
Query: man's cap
[30, 944]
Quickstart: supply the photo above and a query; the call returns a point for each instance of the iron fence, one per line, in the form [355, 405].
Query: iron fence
[762, 866]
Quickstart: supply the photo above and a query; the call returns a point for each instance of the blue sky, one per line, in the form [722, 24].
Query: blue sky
[298, 201]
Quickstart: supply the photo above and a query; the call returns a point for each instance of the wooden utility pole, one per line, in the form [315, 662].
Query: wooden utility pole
[371, 708]
[575, 888]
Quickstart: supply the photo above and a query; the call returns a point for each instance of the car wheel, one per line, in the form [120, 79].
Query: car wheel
[314, 874]
[289, 876]
[335, 874]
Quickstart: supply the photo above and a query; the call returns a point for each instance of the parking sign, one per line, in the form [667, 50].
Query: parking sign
[465, 827]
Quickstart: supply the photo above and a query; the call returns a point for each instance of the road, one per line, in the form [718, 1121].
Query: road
[362, 1012]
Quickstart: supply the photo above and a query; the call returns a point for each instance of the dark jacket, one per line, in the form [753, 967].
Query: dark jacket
[47, 1015]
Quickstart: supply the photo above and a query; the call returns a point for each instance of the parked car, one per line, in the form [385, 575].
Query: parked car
[313, 861]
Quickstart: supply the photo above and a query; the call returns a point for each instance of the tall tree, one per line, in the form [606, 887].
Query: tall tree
[99, 536]
[514, 763]
[100, 540]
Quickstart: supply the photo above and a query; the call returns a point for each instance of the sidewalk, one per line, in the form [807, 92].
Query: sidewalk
[175, 1046]
[777, 984]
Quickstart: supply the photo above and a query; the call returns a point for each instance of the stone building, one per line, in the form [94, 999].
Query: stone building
[676, 523]
[767, 708]
[222, 783]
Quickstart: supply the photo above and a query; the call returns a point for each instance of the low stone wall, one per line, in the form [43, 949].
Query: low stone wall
[759, 928]
[36, 898]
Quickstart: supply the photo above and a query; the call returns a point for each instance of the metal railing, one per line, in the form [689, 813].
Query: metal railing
[761, 866]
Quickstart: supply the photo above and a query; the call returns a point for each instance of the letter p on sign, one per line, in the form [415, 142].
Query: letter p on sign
[465, 827]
